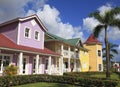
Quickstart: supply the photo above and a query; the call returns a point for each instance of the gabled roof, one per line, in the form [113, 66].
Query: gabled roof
[92, 40]
[6, 43]
[24, 19]
[72, 42]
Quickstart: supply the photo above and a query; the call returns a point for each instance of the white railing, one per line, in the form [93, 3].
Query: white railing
[66, 70]
[66, 53]
[72, 54]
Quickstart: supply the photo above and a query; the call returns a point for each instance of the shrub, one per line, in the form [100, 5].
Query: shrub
[7, 81]
[10, 70]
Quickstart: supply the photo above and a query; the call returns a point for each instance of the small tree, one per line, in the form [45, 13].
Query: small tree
[10, 70]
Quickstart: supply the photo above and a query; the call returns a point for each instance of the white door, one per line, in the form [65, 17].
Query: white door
[25, 65]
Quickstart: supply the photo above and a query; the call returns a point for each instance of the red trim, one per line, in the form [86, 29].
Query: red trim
[7, 43]
[92, 40]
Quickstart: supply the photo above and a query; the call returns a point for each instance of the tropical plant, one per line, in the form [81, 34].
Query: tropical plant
[105, 21]
[112, 50]
[10, 70]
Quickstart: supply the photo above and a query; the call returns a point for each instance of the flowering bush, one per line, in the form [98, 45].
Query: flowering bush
[10, 70]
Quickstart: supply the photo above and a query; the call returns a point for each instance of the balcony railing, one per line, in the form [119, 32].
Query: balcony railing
[65, 53]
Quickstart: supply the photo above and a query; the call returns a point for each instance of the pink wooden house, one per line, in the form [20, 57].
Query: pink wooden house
[22, 44]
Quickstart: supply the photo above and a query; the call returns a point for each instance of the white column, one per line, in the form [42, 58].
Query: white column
[61, 65]
[40, 66]
[61, 61]
[37, 64]
[20, 65]
[75, 68]
[49, 65]
[69, 60]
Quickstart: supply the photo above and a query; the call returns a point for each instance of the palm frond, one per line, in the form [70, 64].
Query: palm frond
[97, 30]
[103, 49]
[115, 11]
[114, 45]
[114, 51]
[115, 23]
[97, 16]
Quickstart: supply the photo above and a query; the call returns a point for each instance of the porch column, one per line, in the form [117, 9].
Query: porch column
[49, 65]
[75, 68]
[37, 64]
[61, 65]
[20, 63]
[69, 60]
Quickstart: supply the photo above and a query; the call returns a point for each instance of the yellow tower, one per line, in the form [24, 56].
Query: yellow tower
[95, 53]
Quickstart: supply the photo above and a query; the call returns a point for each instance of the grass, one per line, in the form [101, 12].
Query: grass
[114, 76]
[44, 84]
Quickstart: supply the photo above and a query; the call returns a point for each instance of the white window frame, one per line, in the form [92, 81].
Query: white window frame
[38, 35]
[29, 36]
[11, 58]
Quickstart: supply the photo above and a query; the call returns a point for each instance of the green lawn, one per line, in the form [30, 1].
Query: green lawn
[44, 84]
[114, 76]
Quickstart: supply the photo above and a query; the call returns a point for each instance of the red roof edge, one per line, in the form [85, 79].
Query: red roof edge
[7, 43]
[92, 40]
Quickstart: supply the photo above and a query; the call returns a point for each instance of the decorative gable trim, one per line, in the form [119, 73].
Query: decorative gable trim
[18, 37]
[24, 19]
[36, 17]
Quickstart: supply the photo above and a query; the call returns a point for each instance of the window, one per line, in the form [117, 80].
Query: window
[46, 64]
[100, 67]
[27, 32]
[4, 61]
[99, 53]
[37, 35]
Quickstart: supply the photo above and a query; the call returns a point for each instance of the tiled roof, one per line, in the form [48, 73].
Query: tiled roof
[92, 40]
[7, 43]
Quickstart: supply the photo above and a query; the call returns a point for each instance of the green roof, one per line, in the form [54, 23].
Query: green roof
[72, 42]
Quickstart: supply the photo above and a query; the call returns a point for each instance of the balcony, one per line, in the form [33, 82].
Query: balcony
[66, 53]
[72, 54]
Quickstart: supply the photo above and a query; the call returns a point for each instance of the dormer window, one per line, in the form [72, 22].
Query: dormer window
[37, 35]
[27, 32]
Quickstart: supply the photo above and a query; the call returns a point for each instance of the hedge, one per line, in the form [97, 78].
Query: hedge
[7, 81]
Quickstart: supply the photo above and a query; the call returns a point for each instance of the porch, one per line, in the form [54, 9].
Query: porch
[29, 62]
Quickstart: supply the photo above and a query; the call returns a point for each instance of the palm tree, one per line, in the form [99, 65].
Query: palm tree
[112, 50]
[106, 20]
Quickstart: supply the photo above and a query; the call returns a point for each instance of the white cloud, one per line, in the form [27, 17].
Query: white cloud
[114, 33]
[89, 23]
[10, 9]
[104, 8]
[50, 16]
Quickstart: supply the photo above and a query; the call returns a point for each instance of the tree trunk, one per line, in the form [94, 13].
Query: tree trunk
[107, 55]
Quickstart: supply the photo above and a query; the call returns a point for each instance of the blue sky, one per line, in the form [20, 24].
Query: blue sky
[65, 18]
